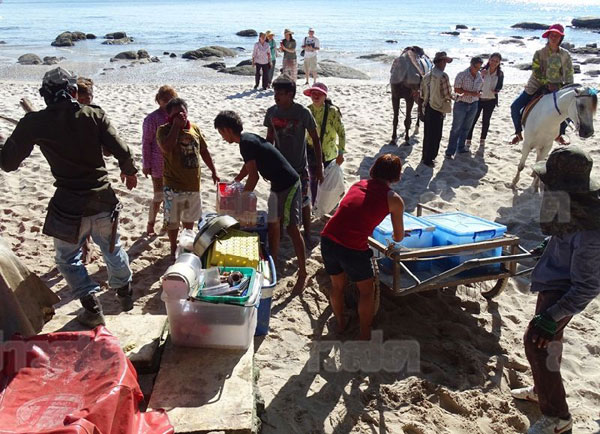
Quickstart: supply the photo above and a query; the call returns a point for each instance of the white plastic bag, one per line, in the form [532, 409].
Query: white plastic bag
[330, 191]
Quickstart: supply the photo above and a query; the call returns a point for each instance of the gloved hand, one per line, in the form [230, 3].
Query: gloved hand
[543, 329]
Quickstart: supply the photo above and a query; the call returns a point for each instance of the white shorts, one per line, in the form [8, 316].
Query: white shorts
[182, 207]
[310, 64]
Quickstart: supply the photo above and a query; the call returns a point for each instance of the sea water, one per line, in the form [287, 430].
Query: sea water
[347, 29]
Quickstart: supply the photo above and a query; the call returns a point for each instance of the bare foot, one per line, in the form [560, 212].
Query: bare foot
[150, 228]
[299, 286]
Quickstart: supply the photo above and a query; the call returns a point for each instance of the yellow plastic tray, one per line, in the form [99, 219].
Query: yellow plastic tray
[237, 249]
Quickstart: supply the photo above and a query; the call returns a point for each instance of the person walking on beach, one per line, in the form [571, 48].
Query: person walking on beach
[331, 133]
[437, 102]
[183, 146]
[290, 61]
[85, 90]
[566, 278]
[261, 158]
[261, 60]
[152, 156]
[273, 47]
[287, 124]
[310, 46]
[467, 85]
[344, 240]
[71, 137]
[551, 69]
[493, 80]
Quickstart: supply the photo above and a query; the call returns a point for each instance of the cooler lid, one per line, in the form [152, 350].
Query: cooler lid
[411, 223]
[461, 224]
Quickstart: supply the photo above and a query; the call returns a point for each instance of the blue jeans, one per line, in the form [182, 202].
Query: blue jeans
[68, 257]
[516, 112]
[463, 116]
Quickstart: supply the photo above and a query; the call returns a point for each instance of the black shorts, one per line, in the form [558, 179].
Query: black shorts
[339, 259]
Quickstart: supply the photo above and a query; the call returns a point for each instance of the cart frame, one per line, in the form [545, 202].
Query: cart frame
[512, 252]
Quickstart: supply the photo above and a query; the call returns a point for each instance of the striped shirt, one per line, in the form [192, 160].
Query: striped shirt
[152, 157]
[464, 80]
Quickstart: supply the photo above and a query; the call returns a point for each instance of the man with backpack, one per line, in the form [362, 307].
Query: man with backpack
[310, 46]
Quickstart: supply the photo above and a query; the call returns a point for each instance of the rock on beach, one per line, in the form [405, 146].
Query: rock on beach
[68, 39]
[586, 22]
[29, 59]
[530, 26]
[247, 33]
[52, 60]
[211, 51]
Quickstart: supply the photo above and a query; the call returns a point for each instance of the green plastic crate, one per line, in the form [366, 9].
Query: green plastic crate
[231, 299]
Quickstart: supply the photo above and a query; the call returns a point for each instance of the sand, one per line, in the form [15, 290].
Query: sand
[471, 351]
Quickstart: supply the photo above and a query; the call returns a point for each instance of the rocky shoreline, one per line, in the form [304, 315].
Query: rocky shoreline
[215, 56]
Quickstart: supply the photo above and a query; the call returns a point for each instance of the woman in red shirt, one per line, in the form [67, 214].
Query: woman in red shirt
[344, 245]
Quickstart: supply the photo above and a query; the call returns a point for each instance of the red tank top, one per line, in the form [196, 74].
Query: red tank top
[360, 211]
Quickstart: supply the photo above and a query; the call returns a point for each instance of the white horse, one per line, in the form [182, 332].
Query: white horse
[542, 125]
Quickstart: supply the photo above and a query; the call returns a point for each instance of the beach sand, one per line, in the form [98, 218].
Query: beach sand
[471, 350]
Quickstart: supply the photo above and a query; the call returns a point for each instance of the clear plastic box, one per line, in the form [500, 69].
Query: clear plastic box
[195, 323]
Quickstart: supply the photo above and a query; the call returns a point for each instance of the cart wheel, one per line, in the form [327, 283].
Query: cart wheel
[494, 290]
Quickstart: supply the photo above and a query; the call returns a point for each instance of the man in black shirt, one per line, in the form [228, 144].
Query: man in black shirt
[261, 157]
[71, 137]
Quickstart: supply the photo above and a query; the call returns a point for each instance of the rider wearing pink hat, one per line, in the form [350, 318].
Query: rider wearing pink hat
[552, 68]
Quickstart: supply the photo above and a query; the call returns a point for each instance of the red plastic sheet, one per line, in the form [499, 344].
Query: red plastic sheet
[72, 383]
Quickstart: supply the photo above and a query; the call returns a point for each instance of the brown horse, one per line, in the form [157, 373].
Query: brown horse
[405, 78]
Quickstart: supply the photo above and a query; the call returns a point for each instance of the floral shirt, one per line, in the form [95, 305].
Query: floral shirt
[334, 140]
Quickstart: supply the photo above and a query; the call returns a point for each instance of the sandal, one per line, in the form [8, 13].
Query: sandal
[516, 139]
[562, 141]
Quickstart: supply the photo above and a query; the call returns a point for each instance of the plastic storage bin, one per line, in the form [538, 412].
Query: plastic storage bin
[461, 228]
[264, 308]
[256, 281]
[421, 236]
[195, 323]
[237, 249]
[233, 201]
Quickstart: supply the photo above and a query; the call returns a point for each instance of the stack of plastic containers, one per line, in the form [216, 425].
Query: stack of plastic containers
[461, 228]
[233, 201]
[215, 321]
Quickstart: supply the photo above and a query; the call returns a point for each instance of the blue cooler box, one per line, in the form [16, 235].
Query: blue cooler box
[421, 235]
[460, 228]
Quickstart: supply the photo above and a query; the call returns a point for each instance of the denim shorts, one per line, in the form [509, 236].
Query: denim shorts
[339, 259]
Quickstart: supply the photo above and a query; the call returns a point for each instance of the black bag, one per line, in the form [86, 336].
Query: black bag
[62, 225]
[303, 44]
[302, 53]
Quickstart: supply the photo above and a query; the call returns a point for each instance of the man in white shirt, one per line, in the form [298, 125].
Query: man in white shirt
[310, 46]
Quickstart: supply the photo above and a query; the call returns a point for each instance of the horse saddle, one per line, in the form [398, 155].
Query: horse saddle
[530, 107]
[415, 55]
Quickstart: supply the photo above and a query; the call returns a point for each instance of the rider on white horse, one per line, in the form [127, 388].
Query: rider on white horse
[552, 67]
